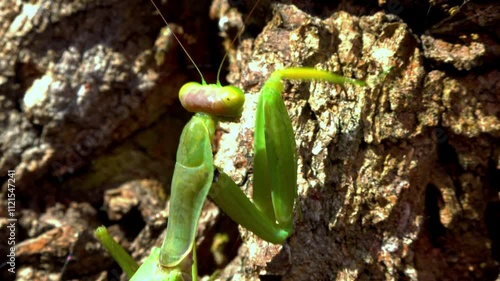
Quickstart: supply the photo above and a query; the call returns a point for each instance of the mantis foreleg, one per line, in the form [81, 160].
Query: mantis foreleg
[269, 216]
[190, 185]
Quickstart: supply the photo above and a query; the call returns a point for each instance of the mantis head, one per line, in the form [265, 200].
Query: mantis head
[221, 101]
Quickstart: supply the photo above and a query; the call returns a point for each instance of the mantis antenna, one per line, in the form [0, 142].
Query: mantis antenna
[225, 55]
[234, 39]
[179, 41]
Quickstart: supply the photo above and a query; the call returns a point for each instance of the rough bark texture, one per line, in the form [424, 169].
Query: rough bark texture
[399, 180]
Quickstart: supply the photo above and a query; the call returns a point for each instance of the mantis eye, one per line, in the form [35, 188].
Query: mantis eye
[215, 100]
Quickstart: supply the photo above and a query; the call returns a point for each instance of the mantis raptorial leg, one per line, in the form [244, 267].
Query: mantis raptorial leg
[270, 212]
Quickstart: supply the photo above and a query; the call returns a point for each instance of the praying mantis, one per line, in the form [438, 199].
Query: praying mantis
[268, 215]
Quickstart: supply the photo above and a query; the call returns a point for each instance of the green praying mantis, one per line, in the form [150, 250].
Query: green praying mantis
[268, 215]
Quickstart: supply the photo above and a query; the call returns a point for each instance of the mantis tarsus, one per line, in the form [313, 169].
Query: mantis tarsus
[270, 212]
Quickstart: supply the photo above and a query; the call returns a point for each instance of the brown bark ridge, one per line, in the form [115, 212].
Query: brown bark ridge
[399, 180]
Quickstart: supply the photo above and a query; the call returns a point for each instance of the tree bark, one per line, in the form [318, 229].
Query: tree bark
[399, 180]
